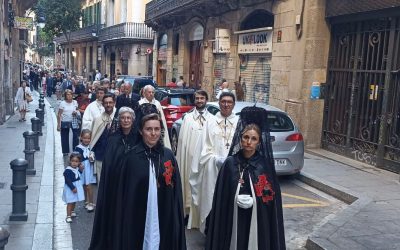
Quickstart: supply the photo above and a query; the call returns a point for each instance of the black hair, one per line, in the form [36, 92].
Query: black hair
[202, 92]
[223, 94]
[75, 155]
[108, 95]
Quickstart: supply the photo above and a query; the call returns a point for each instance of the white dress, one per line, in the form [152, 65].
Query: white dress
[20, 100]
[69, 196]
[88, 176]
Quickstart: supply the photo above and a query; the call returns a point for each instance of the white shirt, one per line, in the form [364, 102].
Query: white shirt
[67, 109]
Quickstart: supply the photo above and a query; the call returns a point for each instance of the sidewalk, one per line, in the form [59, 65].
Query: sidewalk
[37, 231]
[372, 219]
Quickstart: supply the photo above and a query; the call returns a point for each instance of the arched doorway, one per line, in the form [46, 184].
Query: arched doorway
[255, 59]
[162, 60]
[196, 36]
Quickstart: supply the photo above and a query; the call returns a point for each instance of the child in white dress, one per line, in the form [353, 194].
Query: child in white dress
[88, 176]
[73, 189]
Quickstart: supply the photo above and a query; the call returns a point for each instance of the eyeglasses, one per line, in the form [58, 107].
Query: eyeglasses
[226, 103]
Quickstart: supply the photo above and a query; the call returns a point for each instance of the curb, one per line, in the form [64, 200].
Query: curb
[318, 240]
[43, 233]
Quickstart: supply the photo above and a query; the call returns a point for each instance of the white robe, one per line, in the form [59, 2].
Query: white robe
[167, 143]
[92, 111]
[189, 134]
[214, 146]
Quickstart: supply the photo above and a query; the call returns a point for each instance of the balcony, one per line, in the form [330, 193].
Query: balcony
[158, 8]
[126, 31]
[81, 35]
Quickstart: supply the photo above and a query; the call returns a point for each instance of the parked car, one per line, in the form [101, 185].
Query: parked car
[175, 102]
[138, 82]
[287, 140]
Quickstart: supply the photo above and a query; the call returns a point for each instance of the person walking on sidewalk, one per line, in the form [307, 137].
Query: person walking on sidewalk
[88, 177]
[21, 100]
[67, 112]
[73, 189]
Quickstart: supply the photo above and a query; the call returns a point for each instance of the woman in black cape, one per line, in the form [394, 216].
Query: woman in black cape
[247, 204]
[123, 192]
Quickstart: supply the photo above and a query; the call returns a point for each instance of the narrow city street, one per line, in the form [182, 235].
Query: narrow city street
[304, 209]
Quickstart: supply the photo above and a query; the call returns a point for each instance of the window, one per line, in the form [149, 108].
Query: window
[176, 44]
[279, 122]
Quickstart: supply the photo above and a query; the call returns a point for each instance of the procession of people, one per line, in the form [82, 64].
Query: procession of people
[221, 182]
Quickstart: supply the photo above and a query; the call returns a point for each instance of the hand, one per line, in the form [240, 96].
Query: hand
[219, 160]
[58, 128]
[74, 190]
[81, 167]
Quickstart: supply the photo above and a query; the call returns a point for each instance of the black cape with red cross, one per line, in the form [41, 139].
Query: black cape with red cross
[122, 201]
[269, 205]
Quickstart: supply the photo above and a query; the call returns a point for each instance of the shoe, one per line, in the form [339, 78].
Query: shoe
[20, 120]
[86, 204]
[73, 214]
[90, 208]
[68, 219]
[24, 119]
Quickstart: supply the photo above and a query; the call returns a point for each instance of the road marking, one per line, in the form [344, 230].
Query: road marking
[314, 202]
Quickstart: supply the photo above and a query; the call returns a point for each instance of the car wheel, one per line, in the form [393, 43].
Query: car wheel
[174, 142]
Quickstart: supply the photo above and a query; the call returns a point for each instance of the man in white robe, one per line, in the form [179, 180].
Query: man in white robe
[148, 92]
[94, 109]
[99, 125]
[214, 147]
[189, 134]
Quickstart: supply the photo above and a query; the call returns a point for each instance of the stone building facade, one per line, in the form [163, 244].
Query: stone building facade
[12, 54]
[113, 38]
[204, 44]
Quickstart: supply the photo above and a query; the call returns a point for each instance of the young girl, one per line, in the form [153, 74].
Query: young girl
[88, 177]
[73, 190]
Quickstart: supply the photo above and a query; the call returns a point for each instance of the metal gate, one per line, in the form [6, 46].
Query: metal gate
[362, 103]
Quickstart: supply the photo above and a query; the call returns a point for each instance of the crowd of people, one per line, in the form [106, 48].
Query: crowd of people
[222, 180]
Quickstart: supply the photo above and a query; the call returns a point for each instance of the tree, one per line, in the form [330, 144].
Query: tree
[61, 17]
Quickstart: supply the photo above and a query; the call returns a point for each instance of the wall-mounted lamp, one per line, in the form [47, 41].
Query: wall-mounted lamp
[74, 53]
[94, 32]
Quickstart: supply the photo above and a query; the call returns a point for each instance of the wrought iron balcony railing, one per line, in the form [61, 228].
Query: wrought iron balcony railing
[81, 35]
[129, 30]
[158, 8]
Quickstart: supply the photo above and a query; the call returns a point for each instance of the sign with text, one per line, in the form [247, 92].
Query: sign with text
[23, 23]
[222, 41]
[255, 42]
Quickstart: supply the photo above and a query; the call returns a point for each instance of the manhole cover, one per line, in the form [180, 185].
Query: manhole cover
[1, 185]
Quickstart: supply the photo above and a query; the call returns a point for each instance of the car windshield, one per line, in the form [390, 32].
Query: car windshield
[182, 100]
[279, 122]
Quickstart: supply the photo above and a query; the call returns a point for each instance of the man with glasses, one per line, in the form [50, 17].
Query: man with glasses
[100, 131]
[211, 152]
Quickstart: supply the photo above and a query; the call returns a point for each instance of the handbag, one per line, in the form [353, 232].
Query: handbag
[28, 97]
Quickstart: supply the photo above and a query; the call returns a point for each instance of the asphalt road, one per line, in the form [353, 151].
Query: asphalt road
[304, 209]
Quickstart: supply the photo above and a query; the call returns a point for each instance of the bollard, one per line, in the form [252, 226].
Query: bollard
[36, 125]
[30, 151]
[19, 188]
[40, 115]
[4, 234]
[36, 141]
[41, 105]
[41, 95]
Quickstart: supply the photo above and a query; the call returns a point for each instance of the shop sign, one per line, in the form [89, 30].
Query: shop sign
[255, 42]
[222, 41]
[23, 23]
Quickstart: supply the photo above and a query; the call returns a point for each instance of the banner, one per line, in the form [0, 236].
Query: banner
[255, 42]
[23, 23]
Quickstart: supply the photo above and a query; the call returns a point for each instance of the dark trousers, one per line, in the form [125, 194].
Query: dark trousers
[65, 139]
